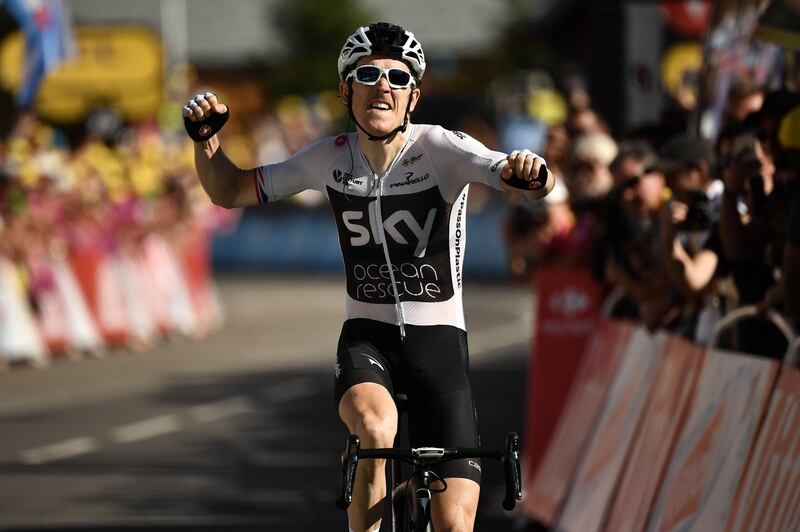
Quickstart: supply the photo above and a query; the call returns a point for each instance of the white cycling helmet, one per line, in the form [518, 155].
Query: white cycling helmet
[382, 38]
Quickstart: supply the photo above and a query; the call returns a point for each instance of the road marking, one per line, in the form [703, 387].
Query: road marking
[59, 451]
[290, 390]
[146, 429]
[225, 408]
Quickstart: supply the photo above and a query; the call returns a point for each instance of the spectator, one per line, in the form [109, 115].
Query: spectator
[752, 224]
[540, 235]
[633, 158]
[689, 239]
[625, 238]
[744, 97]
[789, 138]
[587, 175]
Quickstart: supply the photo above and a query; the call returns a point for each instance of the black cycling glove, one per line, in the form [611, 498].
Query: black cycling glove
[522, 184]
[205, 129]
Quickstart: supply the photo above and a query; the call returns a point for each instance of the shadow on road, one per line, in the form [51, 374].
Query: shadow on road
[274, 468]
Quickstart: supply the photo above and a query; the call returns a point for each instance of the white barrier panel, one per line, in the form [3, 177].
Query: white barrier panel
[769, 495]
[676, 378]
[602, 464]
[81, 329]
[705, 469]
[19, 335]
[547, 489]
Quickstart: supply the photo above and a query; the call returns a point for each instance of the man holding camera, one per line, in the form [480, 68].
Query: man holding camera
[689, 232]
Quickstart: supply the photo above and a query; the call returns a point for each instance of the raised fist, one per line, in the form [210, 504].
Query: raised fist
[204, 116]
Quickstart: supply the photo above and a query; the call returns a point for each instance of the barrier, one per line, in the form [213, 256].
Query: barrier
[705, 469]
[602, 463]
[673, 387]
[751, 311]
[19, 334]
[98, 298]
[769, 495]
[50, 309]
[550, 483]
[568, 304]
[102, 295]
[793, 354]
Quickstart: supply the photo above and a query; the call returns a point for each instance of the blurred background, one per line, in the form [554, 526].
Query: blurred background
[672, 126]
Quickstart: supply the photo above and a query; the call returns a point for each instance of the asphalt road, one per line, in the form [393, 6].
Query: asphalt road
[234, 432]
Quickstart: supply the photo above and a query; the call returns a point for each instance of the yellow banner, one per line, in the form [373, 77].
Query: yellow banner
[117, 67]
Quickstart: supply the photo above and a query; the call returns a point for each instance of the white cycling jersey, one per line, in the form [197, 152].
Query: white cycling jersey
[405, 229]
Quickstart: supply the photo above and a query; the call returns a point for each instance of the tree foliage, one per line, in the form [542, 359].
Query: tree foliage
[314, 32]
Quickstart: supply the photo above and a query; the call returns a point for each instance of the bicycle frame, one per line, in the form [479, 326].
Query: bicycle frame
[422, 459]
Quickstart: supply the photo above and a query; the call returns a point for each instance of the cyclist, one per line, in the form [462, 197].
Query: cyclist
[398, 192]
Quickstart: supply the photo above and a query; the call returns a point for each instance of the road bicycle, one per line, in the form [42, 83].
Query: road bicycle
[411, 510]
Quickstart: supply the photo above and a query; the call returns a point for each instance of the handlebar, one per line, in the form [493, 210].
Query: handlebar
[426, 456]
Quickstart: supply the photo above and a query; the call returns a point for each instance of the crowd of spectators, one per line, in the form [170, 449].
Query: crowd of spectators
[677, 230]
[103, 244]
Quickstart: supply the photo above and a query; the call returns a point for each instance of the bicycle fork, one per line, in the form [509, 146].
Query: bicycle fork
[411, 501]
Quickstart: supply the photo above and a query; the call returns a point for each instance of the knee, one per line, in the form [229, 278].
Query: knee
[376, 430]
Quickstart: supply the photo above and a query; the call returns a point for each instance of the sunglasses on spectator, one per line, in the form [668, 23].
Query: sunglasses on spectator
[371, 74]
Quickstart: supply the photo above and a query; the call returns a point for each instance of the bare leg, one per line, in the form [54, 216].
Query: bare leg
[454, 509]
[369, 411]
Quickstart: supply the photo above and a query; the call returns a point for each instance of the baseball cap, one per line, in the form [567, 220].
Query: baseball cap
[681, 152]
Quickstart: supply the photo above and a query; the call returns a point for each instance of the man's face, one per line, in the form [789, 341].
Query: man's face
[379, 108]
[643, 195]
[588, 179]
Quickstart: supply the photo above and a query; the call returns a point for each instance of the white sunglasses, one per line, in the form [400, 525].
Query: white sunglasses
[371, 74]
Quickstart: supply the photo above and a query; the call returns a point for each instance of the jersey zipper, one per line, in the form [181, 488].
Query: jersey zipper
[379, 215]
[382, 233]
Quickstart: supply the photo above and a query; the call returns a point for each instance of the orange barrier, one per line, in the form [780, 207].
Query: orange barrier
[707, 464]
[769, 495]
[102, 295]
[568, 304]
[667, 405]
[605, 456]
[548, 487]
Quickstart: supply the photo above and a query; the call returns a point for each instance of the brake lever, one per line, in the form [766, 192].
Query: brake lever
[349, 472]
[513, 472]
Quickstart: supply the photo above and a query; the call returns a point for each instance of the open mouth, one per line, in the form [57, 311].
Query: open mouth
[380, 106]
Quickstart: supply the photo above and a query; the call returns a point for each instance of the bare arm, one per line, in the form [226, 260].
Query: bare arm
[225, 183]
[691, 276]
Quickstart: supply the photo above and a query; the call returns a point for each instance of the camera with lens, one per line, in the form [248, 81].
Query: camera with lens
[700, 214]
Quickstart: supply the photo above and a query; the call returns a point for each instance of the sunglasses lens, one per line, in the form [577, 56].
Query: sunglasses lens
[368, 74]
[399, 77]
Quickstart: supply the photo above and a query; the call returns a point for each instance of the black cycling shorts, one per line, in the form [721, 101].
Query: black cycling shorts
[430, 366]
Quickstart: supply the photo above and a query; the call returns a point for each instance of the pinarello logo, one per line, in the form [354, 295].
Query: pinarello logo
[205, 130]
[337, 176]
[569, 302]
[340, 140]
